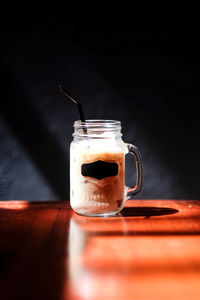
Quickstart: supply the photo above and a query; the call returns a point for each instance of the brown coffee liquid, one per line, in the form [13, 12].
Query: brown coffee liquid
[97, 182]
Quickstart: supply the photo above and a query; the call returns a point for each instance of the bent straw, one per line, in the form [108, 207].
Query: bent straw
[78, 103]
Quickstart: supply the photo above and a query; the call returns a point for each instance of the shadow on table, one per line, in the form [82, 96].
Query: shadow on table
[33, 252]
[147, 211]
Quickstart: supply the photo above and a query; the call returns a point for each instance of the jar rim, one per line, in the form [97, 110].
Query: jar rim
[94, 128]
[97, 123]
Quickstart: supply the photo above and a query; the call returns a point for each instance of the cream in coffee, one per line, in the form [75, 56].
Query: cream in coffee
[97, 175]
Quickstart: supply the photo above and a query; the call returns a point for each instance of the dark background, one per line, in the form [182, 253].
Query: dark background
[145, 74]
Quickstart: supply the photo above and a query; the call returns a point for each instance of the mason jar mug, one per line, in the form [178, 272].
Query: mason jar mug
[97, 168]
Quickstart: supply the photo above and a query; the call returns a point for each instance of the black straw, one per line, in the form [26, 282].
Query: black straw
[78, 103]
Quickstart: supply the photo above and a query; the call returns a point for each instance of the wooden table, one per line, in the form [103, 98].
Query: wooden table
[150, 251]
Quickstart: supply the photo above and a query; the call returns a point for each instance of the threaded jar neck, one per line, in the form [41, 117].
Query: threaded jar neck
[98, 129]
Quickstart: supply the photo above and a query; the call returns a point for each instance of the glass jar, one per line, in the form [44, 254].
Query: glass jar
[97, 168]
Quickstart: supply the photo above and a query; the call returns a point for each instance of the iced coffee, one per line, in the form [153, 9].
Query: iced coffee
[97, 181]
[97, 168]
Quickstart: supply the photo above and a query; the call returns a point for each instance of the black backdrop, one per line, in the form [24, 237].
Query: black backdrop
[146, 75]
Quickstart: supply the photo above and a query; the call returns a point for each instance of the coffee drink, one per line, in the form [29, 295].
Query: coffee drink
[98, 185]
[97, 168]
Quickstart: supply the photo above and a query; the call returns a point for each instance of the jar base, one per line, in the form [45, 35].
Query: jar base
[85, 213]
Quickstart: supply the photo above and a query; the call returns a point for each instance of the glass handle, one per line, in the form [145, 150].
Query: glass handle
[139, 169]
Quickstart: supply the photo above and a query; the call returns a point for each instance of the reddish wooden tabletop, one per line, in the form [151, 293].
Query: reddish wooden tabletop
[150, 251]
